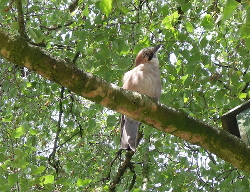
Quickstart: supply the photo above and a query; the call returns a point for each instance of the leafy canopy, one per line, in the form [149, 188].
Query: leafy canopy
[52, 139]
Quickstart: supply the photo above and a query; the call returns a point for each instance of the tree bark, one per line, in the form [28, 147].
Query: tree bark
[139, 107]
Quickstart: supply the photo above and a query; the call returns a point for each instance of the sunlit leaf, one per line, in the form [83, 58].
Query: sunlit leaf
[106, 6]
[81, 182]
[208, 22]
[242, 95]
[48, 179]
[7, 119]
[229, 9]
[18, 132]
[189, 27]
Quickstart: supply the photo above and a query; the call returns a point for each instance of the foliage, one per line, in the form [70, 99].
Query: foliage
[52, 139]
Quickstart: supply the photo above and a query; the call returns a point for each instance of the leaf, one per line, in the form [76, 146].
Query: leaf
[7, 119]
[189, 27]
[106, 6]
[36, 35]
[124, 10]
[34, 131]
[183, 78]
[18, 152]
[6, 85]
[18, 132]
[244, 33]
[92, 124]
[32, 33]
[242, 95]
[3, 149]
[28, 84]
[168, 20]
[85, 11]
[39, 170]
[81, 182]
[48, 179]
[111, 120]
[181, 2]
[229, 9]
[2, 157]
[208, 22]
[14, 25]
[246, 77]
[12, 179]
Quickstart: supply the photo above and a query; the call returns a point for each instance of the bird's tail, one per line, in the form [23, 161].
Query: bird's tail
[129, 133]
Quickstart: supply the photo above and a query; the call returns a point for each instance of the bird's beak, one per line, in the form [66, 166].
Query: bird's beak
[156, 48]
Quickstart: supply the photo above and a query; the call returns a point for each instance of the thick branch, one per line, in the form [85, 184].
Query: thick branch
[142, 108]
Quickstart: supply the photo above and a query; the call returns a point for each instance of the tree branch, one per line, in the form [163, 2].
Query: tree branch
[52, 161]
[139, 107]
[21, 22]
[127, 163]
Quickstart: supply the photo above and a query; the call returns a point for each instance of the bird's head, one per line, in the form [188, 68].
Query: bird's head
[147, 55]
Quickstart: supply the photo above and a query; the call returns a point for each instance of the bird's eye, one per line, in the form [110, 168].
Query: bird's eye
[150, 56]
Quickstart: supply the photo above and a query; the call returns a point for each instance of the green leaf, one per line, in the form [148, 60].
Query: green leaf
[81, 182]
[242, 95]
[3, 149]
[12, 179]
[124, 10]
[85, 11]
[111, 120]
[28, 84]
[137, 190]
[48, 179]
[189, 27]
[229, 9]
[2, 157]
[106, 6]
[7, 119]
[15, 25]
[246, 77]
[18, 152]
[184, 78]
[181, 2]
[169, 20]
[36, 35]
[244, 32]
[39, 170]
[208, 22]
[92, 124]
[18, 132]
[33, 131]
[6, 85]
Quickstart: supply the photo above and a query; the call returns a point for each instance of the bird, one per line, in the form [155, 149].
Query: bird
[144, 78]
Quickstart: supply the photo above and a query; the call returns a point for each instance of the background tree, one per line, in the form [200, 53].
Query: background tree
[52, 139]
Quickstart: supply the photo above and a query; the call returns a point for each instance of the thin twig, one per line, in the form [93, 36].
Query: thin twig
[55, 163]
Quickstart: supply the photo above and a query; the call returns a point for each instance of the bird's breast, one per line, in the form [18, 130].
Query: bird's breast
[145, 79]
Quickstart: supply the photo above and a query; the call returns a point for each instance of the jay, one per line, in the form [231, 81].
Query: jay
[145, 79]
